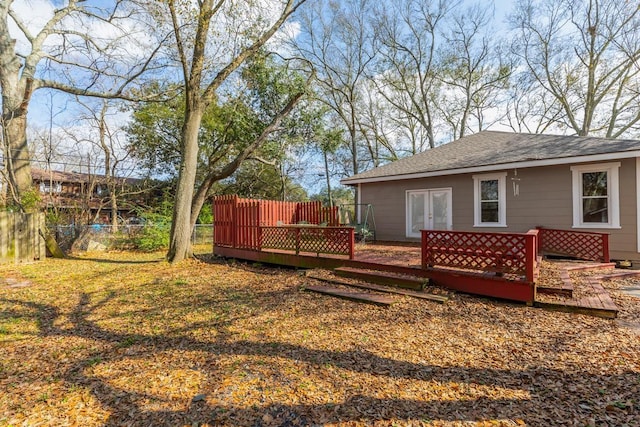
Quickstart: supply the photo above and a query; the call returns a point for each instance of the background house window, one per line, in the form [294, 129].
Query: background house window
[45, 187]
[490, 205]
[596, 196]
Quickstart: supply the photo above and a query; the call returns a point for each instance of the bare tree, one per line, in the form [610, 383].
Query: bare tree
[82, 48]
[531, 109]
[409, 31]
[473, 71]
[585, 54]
[206, 62]
[337, 38]
[376, 125]
[112, 158]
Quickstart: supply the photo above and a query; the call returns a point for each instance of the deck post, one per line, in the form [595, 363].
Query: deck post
[531, 258]
[352, 242]
[423, 248]
[530, 255]
[605, 248]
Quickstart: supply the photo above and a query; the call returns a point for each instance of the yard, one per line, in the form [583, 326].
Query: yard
[126, 339]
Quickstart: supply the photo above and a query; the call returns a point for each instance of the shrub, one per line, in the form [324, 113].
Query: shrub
[155, 233]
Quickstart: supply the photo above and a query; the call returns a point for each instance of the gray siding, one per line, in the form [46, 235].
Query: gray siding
[545, 199]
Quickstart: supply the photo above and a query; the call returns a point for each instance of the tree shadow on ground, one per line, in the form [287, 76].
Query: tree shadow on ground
[544, 387]
[115, 261]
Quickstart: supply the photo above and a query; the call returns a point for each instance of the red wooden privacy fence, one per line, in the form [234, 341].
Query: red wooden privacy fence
[577, 244]
[268, 224]
[504, 253]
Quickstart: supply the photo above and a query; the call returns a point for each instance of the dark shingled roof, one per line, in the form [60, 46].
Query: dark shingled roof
[491, 148]
[77, 177]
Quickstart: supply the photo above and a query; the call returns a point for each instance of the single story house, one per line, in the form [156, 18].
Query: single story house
[501, 181]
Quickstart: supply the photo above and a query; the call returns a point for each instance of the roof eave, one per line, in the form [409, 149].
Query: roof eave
[498, 167]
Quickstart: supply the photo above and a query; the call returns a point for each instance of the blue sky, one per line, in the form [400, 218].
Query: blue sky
[63, 108]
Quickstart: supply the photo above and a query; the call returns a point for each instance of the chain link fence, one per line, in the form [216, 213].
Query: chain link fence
[101, 236]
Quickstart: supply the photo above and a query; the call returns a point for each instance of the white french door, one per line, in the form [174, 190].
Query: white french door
[428, 210]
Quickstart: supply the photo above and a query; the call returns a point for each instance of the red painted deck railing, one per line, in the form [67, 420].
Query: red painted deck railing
[504, 253]
[268, 224]
[318, 240]
[578, 244]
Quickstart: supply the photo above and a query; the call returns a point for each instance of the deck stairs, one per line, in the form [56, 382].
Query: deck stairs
[597, 302]
[371, 285]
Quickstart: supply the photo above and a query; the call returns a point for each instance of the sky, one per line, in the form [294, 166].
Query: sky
[65, 112]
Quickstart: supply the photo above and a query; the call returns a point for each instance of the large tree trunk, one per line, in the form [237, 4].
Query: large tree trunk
[16, 94]
[180, 239]
[326, 173]
[19, 166]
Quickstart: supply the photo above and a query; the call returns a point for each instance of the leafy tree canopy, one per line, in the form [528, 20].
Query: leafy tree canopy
[229, 126]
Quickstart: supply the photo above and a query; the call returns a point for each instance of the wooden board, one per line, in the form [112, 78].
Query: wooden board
[563, 290]
[20, 240]
[580, 308]
[352, 296]
[416, 294]
[382, 278]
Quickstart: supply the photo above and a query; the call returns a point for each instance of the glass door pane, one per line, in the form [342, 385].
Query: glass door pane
[440, 218]
[416, 213]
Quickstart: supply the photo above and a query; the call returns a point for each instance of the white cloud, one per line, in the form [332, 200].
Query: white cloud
[34, 14]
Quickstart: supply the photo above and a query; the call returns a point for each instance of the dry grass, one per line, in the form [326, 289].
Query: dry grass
[126, 339]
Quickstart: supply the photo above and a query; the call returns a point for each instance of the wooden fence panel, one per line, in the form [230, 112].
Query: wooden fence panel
[223, 213]
[241, 223]
[20, 239]
[578, 244]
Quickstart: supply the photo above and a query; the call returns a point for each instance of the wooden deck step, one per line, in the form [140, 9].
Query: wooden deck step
[382, 278]
[598, 266]
[598, 304]
[381, 288]
[580, 307]
[564, 289]
[621, 275]
[364, 297]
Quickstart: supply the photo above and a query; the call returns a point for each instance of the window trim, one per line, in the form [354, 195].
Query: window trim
[613, 193]
[501, 177]
[47, 187]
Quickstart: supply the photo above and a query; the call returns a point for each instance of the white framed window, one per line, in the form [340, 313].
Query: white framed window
[45, 187]
[490, 200]
[596, 195]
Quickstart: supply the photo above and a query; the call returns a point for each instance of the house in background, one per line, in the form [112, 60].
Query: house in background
[84, 198]
[500, 181]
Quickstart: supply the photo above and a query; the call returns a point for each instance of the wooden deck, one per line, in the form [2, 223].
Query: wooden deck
[595, 300]
[402, 258]
[405, 259]
[500, 265]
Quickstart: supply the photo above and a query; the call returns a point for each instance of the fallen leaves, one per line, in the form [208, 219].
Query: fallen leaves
[128, 339]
